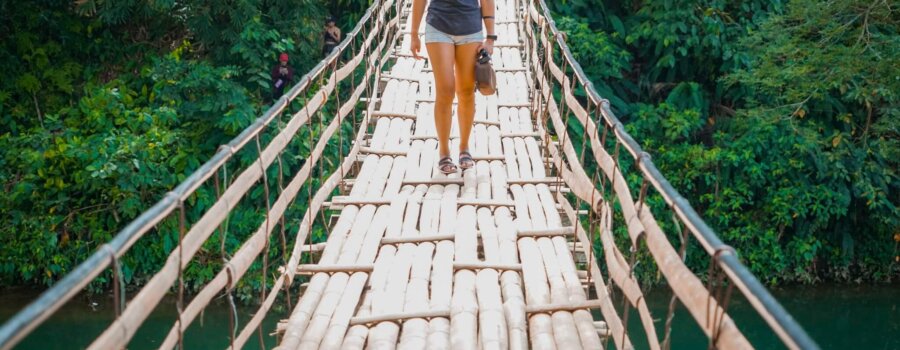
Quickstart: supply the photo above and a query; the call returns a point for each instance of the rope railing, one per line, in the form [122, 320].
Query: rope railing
[557, 74]
[706, 304]
[130, 317]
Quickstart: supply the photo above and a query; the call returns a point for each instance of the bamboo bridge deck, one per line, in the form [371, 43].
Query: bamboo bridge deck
[481, 259]
[500, 256]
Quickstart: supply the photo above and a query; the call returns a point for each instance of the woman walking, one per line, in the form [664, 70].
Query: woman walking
[453, 38]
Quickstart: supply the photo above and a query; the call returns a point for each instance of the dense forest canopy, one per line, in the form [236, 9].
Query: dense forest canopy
[106, 105]
[778, 119]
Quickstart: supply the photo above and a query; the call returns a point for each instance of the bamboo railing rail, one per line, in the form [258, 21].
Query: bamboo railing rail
[640, 223]
[118, 334]
[500, 249]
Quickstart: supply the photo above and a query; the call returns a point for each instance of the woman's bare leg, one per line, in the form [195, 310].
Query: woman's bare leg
[441, 56]
[465, 91]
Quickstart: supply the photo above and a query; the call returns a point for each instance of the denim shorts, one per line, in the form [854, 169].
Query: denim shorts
[432, 35]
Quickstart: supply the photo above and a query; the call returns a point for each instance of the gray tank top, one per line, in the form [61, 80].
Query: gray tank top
[455, 17]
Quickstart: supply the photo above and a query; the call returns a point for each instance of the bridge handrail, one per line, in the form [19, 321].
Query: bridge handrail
[36, 312]
[537, 12]
[781, 322]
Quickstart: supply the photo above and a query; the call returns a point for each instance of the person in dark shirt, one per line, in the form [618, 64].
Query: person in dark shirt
[331, 36]
[282, 75]
[454, 35]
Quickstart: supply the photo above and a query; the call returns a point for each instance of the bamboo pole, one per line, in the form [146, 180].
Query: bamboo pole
[478, 266]
[564, 330]
[572, 283]
[316, 268]
[442, 271]
[510, 282]
[464, 305]
[334, 288]
[414, 332]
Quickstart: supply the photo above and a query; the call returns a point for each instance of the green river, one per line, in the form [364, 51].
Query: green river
[836, 316]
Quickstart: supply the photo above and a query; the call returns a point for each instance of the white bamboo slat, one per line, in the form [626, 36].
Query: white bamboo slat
[442, 271]
[444, 250]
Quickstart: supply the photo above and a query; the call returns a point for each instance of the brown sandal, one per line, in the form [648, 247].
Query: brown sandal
[446, 166]
[465, 160]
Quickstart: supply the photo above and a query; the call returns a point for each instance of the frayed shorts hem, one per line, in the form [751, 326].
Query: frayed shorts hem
[432, 35]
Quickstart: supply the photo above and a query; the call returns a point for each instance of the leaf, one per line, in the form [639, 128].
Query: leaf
[29, 83]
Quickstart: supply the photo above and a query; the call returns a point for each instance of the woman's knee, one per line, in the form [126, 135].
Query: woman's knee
[465, 93]
[444, 91]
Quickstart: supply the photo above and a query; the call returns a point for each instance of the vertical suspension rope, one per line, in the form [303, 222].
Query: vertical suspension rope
[118, 285]
[180, 304]
[284, 254]
[223, 234]
[626, 306]
[263, 286]
[634, 247]
[316, 162]
[543, 105]
[321, 118]
[562, 136]
[603, 146]
[603, 185]
[609, 285]
[281, 221]
[670, 314]
[592, 217]
[305, 108]
[592, 230]
[352, 111]
[340, 121]
[716, 294]
[563, 111]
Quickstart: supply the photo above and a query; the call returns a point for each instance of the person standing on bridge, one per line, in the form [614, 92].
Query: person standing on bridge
[453, 38]
[282, 75]
[331, 36]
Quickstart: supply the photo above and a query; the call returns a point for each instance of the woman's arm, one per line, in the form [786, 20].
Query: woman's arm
[487, 14]
[335, 37]
[418, 9]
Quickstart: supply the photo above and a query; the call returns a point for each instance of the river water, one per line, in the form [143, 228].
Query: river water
[836, 316]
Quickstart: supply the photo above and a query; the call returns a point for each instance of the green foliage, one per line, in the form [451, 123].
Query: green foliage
[777, 120]
[254, 48]
[107, 105]
[828, 81]
[600, 56]
[107, 145]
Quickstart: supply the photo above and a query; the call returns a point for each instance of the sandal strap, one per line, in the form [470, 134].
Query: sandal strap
[446, 165]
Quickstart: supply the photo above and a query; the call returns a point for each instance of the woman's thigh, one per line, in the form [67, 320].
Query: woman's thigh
[466, 55]
[442, 58]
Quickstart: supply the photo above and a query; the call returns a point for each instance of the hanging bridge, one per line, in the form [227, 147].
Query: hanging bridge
[517, 252]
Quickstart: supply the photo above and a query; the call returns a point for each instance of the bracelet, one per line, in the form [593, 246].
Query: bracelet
[487, 17]
[491, 37]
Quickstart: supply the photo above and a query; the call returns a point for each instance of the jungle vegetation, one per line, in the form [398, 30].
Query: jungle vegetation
[778, 120]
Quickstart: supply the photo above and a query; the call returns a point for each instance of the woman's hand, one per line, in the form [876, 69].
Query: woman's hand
[487, 45]
[415, 46]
